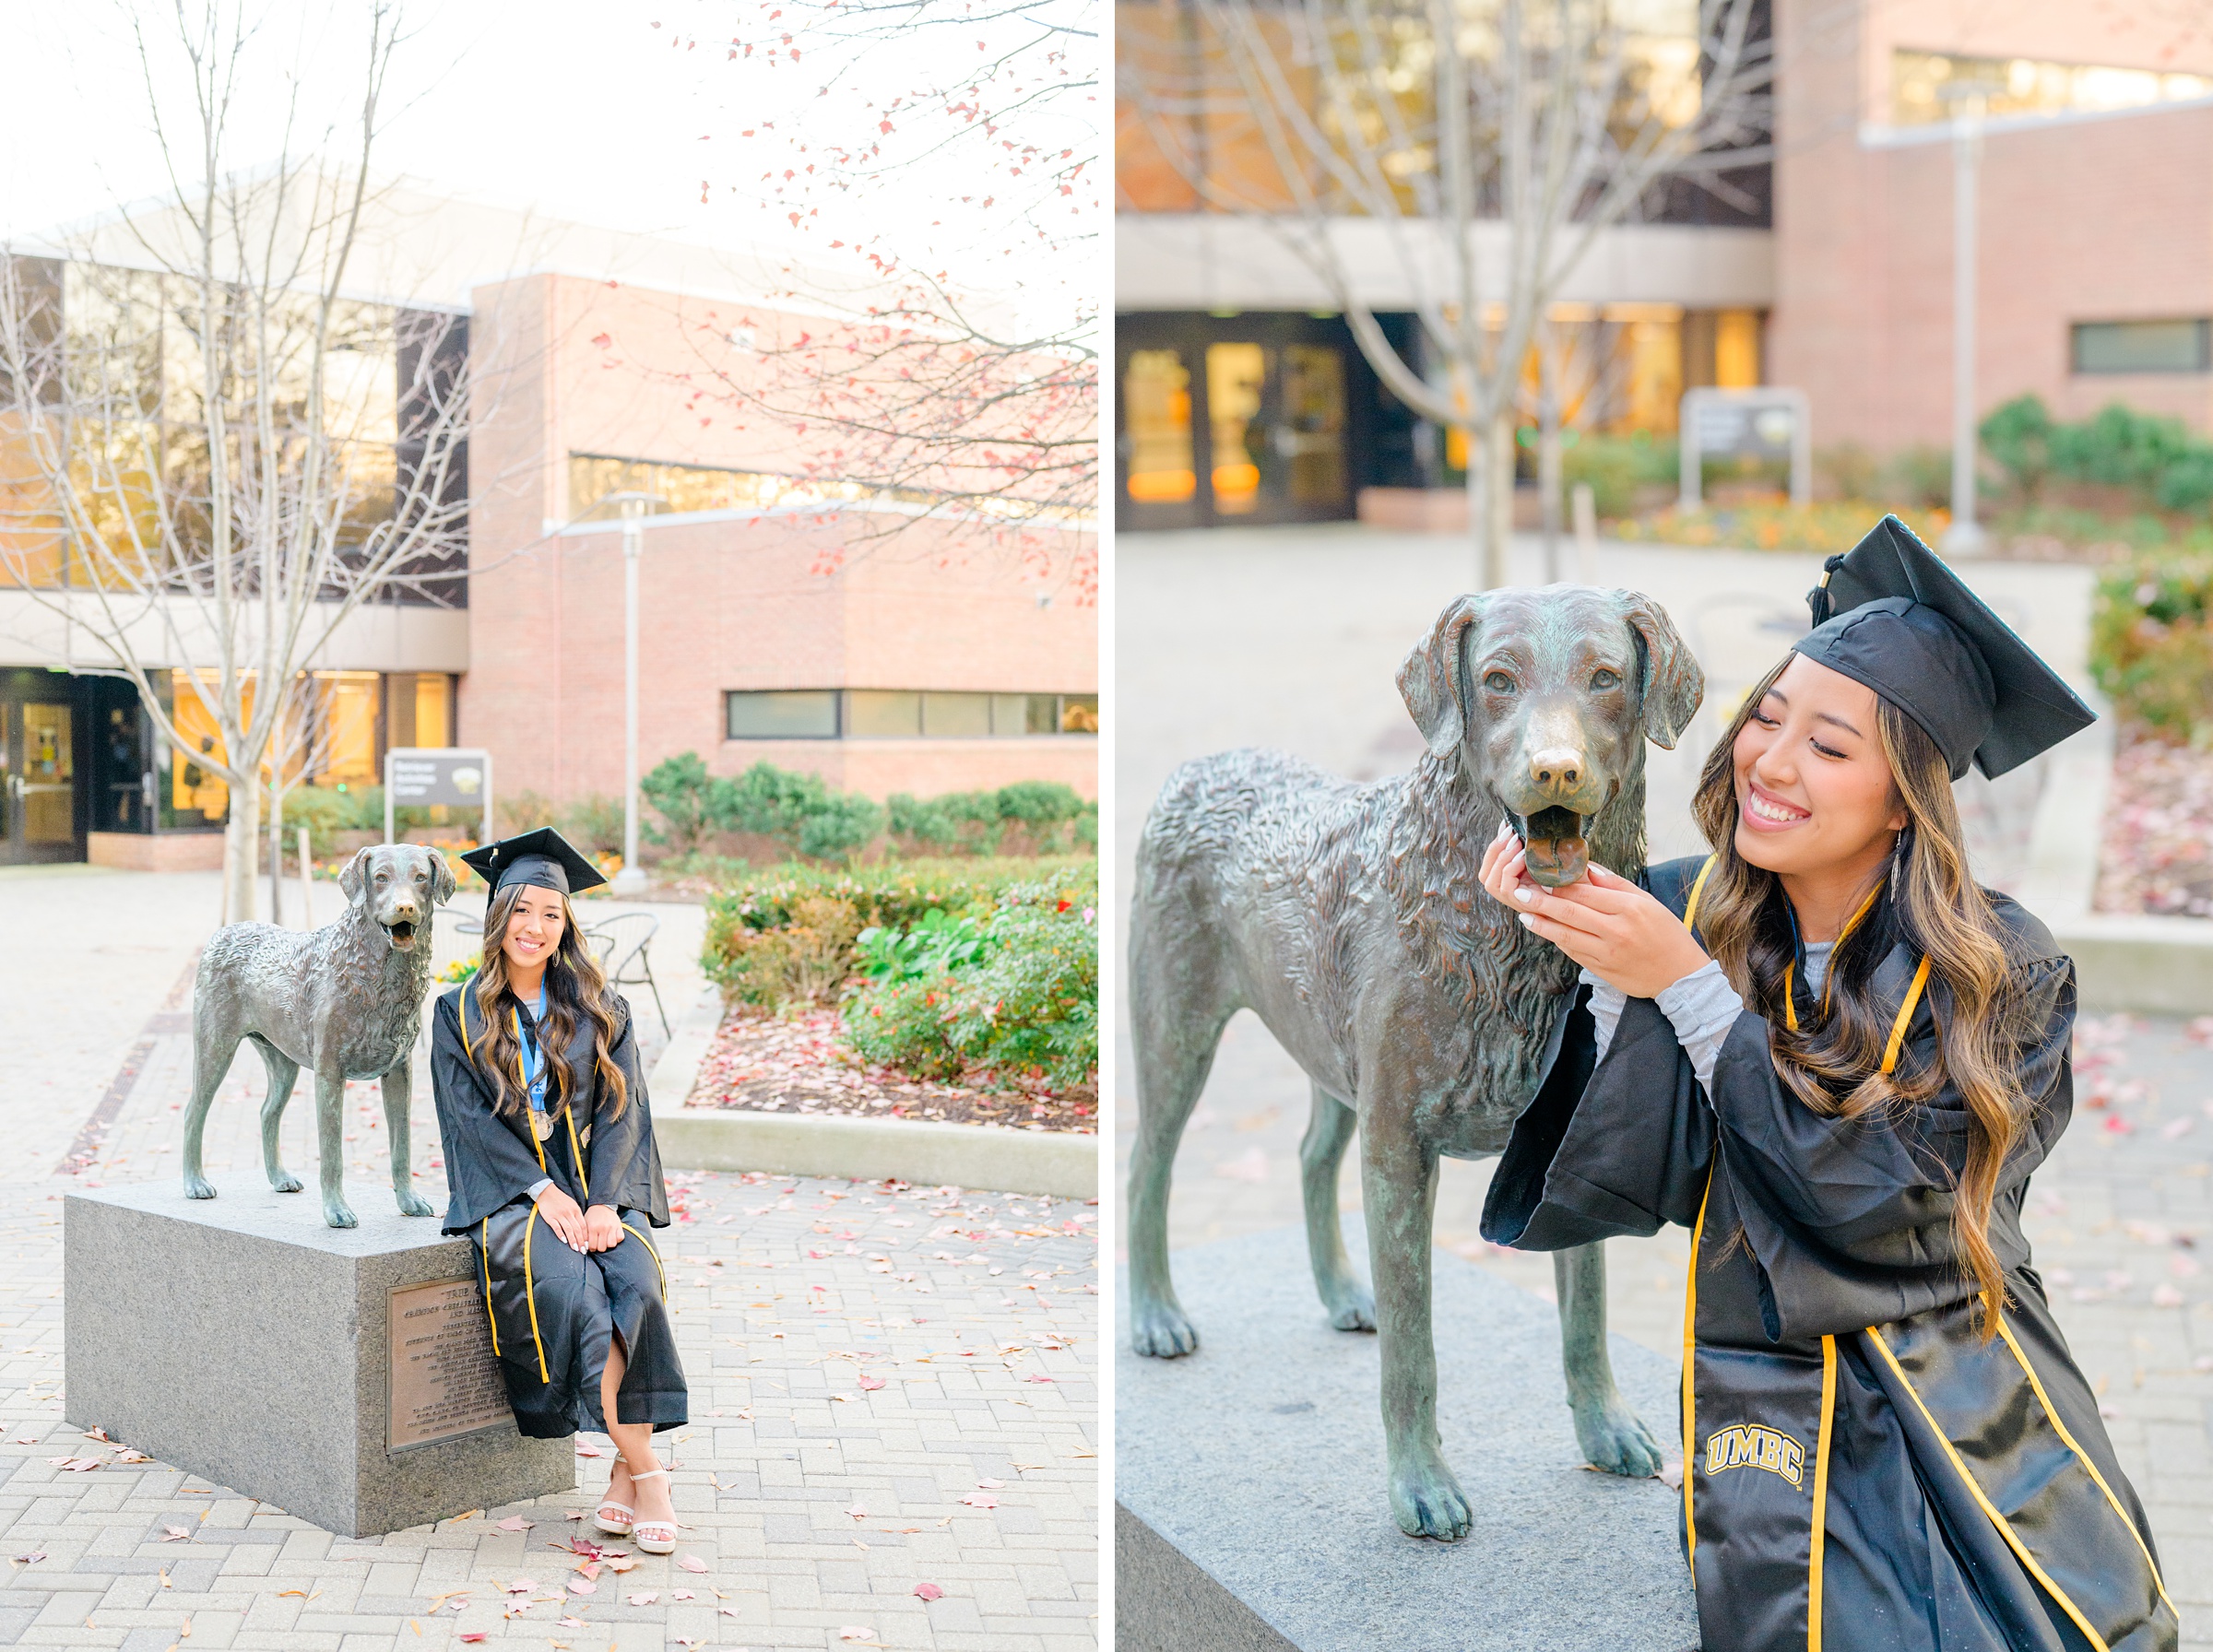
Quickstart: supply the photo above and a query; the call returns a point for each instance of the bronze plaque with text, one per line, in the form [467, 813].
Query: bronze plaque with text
[444, 1379]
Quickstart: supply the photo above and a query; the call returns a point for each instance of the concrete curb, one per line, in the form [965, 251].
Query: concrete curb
[918, 1151]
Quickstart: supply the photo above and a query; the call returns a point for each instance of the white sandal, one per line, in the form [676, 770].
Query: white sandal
[652, 1537]
[626, 1517]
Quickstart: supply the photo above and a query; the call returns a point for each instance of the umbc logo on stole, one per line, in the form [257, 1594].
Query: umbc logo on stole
[1752, 1446]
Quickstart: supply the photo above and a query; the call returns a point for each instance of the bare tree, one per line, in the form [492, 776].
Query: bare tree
[928, 398]
[213, 457]
[1488, 141]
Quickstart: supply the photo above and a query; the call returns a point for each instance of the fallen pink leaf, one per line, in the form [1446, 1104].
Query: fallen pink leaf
[980, 1500]
[682, 1595]
[470, 1636]
[855, 1633]
[872, 1382]
[176, 1534]
[521, 1586]
[691, 1563]
[516, 1522]
[930, 1591]
[583, 1586]
[992, 1485]
[644, 1596]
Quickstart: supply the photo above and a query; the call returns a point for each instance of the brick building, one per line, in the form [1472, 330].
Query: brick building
[776, 622]
[2095, 267]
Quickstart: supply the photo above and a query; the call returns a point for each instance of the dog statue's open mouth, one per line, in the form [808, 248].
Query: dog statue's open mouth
[1558, 851]
[403, 936]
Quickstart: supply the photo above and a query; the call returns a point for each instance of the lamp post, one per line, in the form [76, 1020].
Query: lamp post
[1966, 536]
[631, 880]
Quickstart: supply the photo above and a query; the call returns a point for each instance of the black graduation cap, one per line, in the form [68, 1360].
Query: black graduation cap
[1890, 614]
[543, 857]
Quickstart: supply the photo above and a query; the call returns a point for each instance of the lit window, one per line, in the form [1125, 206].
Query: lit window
[957, 716]
[1079, 714]
[1927, 87]
[2142, 345]
[880, 713]
[781, 714]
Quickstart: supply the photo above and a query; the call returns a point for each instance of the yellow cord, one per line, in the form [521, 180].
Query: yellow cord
[484, 1237]
[656, 1259]
[530, 1296]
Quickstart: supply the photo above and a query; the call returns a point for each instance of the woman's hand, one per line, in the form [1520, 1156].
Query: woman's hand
[603, 1228]
[1618, 931]
[565, 1217]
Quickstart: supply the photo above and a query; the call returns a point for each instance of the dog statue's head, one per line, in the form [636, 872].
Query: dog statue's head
[1547, 693]
[398, 885]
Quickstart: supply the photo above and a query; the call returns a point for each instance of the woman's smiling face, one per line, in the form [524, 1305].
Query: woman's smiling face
[534, 927]
[1813, 788]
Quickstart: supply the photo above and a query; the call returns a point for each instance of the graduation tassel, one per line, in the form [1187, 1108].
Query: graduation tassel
[1818, 599]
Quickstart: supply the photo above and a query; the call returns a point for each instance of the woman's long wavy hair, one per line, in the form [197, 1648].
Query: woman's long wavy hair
[576, 989]
[1834, 1064]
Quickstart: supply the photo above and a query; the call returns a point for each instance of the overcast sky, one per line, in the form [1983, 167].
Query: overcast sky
[578, 108]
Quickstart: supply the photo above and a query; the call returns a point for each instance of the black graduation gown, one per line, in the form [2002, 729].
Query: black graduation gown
[1859, 1465]
[554, 1309]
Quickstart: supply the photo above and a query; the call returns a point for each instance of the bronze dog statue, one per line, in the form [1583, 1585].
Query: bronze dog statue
[344, 1001]
[1350, 920]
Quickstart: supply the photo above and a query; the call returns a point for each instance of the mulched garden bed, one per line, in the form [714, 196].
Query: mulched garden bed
[2158, 853]
[801, 1064]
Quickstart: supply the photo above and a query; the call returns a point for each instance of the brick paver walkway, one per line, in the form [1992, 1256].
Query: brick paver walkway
[892, 1388]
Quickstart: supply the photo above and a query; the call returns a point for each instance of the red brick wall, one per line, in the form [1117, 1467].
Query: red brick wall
[726, 603]
[2080, 220]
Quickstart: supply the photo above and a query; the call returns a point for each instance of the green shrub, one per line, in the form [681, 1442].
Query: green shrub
[2151, 455]
[1617, 467]
[594, 823]
[525, 811]
[1023, 1003]
[976, 823]
[932, 948]
[802, 959]
[2018, 436]
[890, 895]
[2151, 644]
[687, 797]
[1919, 477]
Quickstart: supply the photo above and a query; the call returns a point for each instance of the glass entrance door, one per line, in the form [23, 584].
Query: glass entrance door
[38, 792]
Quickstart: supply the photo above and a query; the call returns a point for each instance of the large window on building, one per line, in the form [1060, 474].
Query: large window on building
[1927, 87]
[902, 714]
[2183, 346]
[594, 477]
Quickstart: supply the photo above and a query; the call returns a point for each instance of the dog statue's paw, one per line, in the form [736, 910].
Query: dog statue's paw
[284, 1180]
[1428, 1502]
[1352, 1307]
[338, 1215]
[1159, 1330]
[413, 1204]
[1615, 1440]
[198, 1188]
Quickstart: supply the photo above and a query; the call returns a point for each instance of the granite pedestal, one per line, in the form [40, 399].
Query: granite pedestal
[1251, 1511]
[343, 1374]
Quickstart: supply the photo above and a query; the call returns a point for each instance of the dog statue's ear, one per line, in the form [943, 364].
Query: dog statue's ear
[442, 880]
[1673, 683]
[1430, 680]
[355, 875]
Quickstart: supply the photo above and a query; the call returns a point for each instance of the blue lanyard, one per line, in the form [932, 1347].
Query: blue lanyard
[534, 1068]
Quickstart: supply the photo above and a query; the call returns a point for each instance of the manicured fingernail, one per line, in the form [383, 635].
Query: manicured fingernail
[1524, 896]
[1527, 922]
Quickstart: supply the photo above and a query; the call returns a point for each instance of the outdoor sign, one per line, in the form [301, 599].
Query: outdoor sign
[1769, 423]
[420, 776]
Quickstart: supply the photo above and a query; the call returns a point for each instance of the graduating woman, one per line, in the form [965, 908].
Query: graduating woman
[1836, 1060]
[555, 1178]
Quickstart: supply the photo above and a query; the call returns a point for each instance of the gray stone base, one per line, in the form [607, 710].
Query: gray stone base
[244, 1340]
[1251, 1514]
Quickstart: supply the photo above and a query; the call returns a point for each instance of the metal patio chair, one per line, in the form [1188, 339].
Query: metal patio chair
[622, 943]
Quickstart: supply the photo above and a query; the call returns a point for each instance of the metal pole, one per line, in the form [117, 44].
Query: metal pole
[1966, 535]
[307, 884]
[631, 880]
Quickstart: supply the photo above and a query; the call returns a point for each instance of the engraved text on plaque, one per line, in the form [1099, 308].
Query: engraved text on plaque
[444, 1379]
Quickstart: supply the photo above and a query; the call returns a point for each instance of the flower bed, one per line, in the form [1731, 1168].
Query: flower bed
[2157, 849]
[800, 1063]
